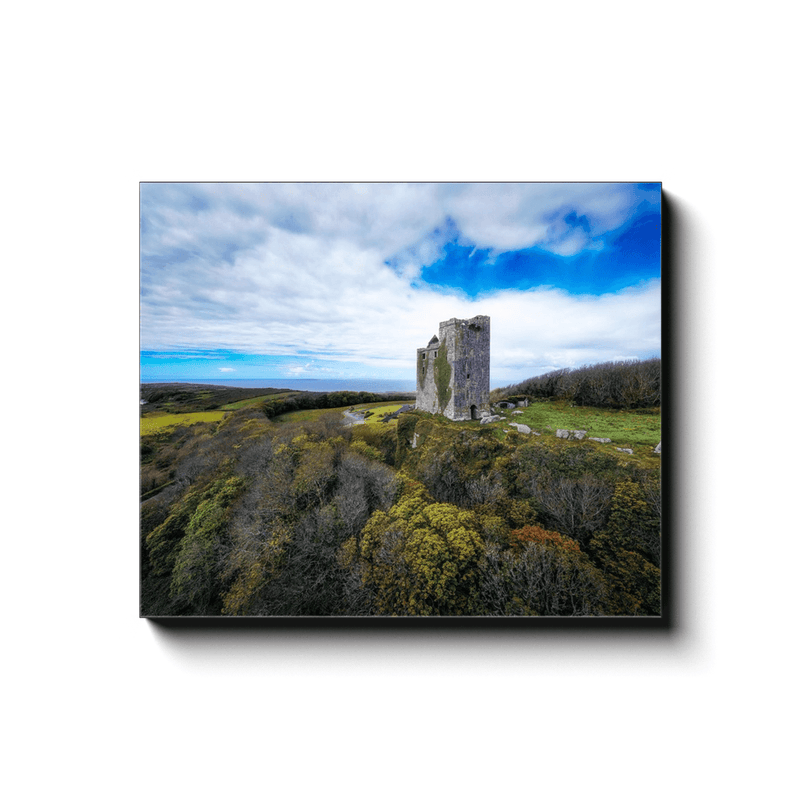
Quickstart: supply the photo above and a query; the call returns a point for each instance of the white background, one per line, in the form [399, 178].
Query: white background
[98, 97]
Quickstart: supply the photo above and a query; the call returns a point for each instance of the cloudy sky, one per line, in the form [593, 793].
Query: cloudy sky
[345, 281]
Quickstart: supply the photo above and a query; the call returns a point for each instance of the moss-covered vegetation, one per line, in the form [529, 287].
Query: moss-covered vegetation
[430, 517]
[374, 411]
[421, 364]
[316, 401]
[442, 372]
[151, 422]
[183, 397]
[256, 401]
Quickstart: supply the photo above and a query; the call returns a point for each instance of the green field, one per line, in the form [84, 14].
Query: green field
[255, 401]
[306, 415]
[378, 409]
[315, 413]
[152, 423]
[635, 430]
[624, 428]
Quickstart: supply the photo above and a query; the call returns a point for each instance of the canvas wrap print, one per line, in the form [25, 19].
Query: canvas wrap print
[400, 400]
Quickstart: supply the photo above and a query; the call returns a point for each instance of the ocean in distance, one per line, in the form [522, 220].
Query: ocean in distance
[305, 384]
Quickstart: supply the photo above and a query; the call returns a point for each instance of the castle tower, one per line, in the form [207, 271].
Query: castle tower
[453, 370]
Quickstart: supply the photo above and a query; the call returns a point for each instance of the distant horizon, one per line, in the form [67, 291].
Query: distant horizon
[346, 384]
[281, 383]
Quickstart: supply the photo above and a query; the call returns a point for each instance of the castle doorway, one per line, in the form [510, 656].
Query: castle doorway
[473, 412]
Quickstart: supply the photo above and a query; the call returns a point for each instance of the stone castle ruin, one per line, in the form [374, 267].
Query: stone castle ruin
[453, 370]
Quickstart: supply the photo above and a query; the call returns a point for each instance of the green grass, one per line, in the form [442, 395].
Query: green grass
[306, 415]
[309, 415]
[624, 428]
[639, 431]
[152, 423]
[254, 401]
[378, 409]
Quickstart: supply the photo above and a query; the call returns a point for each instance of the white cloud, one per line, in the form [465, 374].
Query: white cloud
[226, 369]
[285, 270]
[310, 369]
[515, 216]
[387, 219]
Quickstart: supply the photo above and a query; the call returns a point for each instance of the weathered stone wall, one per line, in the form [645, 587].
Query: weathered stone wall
[453, 372]
[427, 398]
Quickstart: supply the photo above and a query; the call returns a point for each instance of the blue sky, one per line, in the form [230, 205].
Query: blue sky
[347, 280]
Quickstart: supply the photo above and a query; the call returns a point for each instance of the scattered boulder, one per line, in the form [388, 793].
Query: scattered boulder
[521, 428]
[492, 418]
[657, 449]
[625, 450]
[515, 412]
[595, 439]
[565, 434]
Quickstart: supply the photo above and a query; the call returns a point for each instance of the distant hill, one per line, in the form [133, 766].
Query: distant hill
[612, 384]
[193, 397]
[197, 396]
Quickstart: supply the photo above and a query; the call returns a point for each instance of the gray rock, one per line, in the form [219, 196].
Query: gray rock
[595, 439]
[657, 449]
[521, 428]
[624, 450]
[565, 434]
[515, 412]
[493, 418]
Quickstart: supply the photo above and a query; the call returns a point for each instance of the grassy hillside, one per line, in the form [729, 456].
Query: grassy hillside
[282, 509]
[377, 410]
[151, 423]
[625, 428]
[183, 397]
[254, 402]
